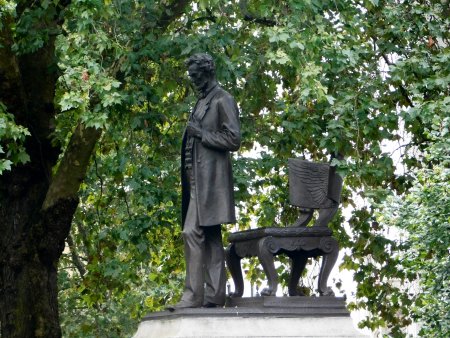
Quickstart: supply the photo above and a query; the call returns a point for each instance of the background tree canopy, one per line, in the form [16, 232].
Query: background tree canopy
[94, 98]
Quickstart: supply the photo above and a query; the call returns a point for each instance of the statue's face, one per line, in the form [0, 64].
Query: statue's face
[198, 77]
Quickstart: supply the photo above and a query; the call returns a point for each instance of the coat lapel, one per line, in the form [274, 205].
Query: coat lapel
[204, 108]
[191, 115]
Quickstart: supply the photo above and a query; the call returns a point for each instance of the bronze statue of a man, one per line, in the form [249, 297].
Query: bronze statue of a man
[212, 132]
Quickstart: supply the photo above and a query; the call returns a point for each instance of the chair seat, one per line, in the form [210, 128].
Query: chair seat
[279, 232]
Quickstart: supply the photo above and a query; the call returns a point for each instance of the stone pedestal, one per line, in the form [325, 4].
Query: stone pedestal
[255, 317]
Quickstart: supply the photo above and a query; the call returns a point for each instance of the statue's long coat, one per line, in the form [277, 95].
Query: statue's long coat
[211, 163]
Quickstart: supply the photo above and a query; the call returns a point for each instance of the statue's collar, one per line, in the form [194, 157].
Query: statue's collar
[209, 90]
[202, 105]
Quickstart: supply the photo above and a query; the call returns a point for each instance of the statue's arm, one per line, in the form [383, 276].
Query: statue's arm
[228, 136]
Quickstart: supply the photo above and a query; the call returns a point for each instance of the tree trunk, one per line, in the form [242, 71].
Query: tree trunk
[35, 220]
[32, 242]
[31, 236]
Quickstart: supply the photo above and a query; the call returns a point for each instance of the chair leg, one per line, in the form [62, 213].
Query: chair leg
[328, 262]
[297, 266]
[234, 265]
[265, 255]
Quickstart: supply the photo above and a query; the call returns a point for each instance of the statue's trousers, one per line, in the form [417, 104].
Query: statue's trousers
[204, 254]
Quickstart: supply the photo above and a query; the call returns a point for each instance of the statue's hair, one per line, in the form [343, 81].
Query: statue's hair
[203, 60]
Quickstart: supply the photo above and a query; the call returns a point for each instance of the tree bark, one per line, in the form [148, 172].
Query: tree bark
[31, 246]
[35, 220]
[32, 237]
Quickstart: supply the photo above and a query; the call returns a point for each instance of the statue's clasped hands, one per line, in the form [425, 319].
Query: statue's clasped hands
[194, 129]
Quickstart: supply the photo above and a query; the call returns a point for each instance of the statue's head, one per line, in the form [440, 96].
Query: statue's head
[201, 70]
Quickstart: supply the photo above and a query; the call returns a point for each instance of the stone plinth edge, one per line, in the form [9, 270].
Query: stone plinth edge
[255, 317]
[331, 305]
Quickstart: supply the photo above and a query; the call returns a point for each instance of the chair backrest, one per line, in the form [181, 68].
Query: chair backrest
[308, 183]
[312, 183]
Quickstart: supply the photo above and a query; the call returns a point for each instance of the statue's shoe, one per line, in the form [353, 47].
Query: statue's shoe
[211, 305]
[182, 305]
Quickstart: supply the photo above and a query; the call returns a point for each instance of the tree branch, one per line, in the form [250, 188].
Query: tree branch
[189, 24]
[252, 18]
[11, 92]
[84, 238]
[76, 260]
[72, 169]
[171, 12]
[29, 4]
[403, 91]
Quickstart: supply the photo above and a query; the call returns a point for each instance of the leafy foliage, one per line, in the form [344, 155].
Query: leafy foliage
[12, 137]
[424, 250]
[312, 78]
[317, 78]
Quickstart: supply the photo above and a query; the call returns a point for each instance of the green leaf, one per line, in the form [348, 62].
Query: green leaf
[23, 157]
[5, 165]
